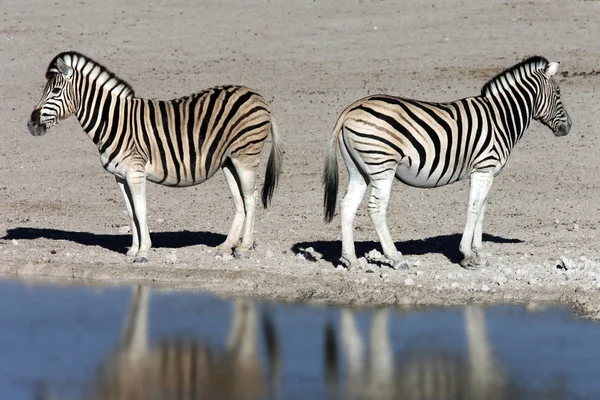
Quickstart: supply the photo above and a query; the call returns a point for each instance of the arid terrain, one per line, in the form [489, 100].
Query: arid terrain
[62, 215]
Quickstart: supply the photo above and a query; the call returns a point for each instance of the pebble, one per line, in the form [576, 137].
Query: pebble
[501, 280]
[171, 257]
[269, 254]
[15, 242]
[419, 273]
[224, 257]
[454, 285]
[485, 288]
[124, 229]
[409, 282]
[384, 276]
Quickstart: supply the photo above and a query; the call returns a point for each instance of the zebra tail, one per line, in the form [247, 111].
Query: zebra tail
[330, 173]
[273, 166]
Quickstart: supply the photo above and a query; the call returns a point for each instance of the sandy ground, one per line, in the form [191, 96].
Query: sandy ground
[61, 214]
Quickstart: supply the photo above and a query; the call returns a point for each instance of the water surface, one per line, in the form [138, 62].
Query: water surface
[75, 342]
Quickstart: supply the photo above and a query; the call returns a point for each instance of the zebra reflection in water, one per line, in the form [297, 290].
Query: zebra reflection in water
[376, 372]
[189, 369]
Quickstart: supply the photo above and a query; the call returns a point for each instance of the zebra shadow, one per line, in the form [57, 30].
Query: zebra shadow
[118, 243]
[446, 245]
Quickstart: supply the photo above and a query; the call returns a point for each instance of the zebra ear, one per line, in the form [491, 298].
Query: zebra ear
[552, 68]
[64, 69]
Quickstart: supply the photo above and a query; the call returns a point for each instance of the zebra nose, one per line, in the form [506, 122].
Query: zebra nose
[34, 126]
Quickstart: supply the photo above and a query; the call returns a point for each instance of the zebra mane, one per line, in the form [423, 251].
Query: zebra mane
[527, 66]
[78, 61]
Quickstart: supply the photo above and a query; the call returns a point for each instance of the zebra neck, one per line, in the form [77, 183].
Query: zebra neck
[513, 109]
[103, 115]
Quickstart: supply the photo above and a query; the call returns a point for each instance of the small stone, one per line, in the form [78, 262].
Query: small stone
[373, 255]
[384, 275]
[419, 273]
[339, 267]
[454, 285]
[437, 277]
[124, 229]
[363, 281]
[269, 254]
[485, 288]
[15, 242]
[224, 257]
[575, 227]
[409, 282]
[171, 257]
[500, 280]
[160, 220]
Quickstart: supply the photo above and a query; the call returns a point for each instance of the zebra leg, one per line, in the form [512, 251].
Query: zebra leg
[136, 182]
[247, 177]
[478, 238]
[357, 185]
[135, 244]
[233, 238]
[481, 182]
[378, 202]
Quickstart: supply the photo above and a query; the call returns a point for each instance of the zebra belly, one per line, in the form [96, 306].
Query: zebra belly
[409, 174]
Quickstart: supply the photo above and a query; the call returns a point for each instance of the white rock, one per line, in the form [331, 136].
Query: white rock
[454, 285]
[437, 277]
[374, 255]
[171, 257]
[124, 229]
[224, 257]
[500, 280]
[409, 282]
[15, 242]
[419, 273]
[269, 254]
[485, 288]
[384, 276]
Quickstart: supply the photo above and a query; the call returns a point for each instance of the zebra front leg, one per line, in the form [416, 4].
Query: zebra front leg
[135, 243]
[481, 182]
[233, 238]
[378, 202]
[478, 238]
[247, 180]
[136, 185]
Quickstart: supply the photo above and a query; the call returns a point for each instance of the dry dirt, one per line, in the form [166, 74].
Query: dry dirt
[62, 216]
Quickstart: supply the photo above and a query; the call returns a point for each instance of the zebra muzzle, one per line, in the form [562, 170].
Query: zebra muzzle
[35, 127]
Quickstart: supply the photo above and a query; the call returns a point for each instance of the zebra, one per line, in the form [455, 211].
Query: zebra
[180, 142]
[427, 145]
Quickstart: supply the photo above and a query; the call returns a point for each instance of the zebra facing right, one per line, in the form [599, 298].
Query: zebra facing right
[426, 145]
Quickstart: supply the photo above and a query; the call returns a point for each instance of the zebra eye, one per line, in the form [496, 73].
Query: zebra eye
[56, 90]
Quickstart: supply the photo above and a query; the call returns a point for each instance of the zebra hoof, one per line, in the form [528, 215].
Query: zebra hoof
[470, 263]
[132, 252]
[351, 264]
[140, 260]
[223, 251]
[401, 265]
[240, 254]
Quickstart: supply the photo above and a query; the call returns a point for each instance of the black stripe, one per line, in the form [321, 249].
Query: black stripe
[459, 140]
[176, 107]
[162, 106]
[377, 138]
[218, 138]
[401, 129]
[191, 123]
[113, 128]
[125, 132]
[204, 134]
[159, 144]
[383, 153]
[247, 144]
[103, 102]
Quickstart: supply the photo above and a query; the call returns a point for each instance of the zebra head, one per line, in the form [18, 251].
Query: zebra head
[58, 99]
[549, 109]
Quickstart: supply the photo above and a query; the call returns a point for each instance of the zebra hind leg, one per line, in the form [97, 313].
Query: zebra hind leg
[233, 238]
[357, 185]
[381, 187]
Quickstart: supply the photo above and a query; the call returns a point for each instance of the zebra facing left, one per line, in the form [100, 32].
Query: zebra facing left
[180, 142]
